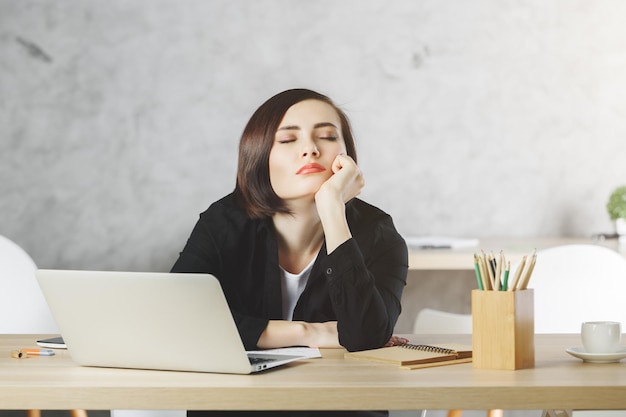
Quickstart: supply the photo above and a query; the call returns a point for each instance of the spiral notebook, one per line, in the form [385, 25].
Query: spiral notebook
[413, 356]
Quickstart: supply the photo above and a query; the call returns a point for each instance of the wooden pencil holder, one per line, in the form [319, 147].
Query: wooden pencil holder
[503, 329]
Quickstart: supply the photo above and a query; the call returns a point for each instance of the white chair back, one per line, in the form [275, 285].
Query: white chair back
[576, 283]
[23, 307]
[431, 321]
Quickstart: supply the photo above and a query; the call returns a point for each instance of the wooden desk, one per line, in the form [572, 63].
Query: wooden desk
[514, 248]
[558, 381]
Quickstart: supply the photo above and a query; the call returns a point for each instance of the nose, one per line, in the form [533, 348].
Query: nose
[310, 149]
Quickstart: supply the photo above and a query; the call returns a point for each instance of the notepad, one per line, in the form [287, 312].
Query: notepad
[413, 356]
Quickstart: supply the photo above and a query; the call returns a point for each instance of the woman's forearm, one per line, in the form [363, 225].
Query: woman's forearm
[333, 218]
[282, 333]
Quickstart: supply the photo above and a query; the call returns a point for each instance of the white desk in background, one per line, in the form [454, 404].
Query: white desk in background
[514, 249]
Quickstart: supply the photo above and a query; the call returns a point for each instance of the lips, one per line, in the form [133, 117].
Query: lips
[311, 168]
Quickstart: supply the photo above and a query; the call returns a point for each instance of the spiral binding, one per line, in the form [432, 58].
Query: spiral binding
[429, 348]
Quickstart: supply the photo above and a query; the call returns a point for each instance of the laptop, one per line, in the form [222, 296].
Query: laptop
[144, 320]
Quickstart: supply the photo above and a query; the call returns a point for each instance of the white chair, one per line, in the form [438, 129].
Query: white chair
[576, 283]
[21, 299]
[430, 321]
[22, 304]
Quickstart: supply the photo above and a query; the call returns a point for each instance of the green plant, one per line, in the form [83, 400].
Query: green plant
[617, 203]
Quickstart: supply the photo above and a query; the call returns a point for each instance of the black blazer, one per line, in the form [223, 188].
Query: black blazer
[359, 285]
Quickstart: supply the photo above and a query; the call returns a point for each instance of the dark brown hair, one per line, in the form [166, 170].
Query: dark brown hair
[253, 190]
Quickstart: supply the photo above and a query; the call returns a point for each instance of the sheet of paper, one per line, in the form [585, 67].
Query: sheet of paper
[294, 351]
[437, 242]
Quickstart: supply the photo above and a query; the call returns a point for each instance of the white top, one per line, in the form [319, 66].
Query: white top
[292, 286]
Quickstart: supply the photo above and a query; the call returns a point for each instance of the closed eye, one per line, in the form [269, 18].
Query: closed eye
[290, 140]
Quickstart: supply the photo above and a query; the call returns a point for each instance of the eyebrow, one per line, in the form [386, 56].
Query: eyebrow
[315, 126]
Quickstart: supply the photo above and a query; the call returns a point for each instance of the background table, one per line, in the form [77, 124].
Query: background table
[443, 278]
[514, 249]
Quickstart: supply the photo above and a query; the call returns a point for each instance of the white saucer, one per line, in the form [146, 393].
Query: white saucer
[579, 352]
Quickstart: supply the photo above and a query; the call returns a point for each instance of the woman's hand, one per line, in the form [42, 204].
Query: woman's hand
[397, 341]
[346, 183]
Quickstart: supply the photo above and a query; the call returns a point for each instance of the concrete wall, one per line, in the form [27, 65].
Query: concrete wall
[119, 120]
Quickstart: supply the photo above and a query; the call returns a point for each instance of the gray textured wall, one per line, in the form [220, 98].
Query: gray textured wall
[119, 120]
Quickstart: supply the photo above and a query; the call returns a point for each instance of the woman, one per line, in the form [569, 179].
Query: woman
[302, 262]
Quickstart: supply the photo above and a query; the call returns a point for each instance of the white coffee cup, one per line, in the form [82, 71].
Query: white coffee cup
[601, 336]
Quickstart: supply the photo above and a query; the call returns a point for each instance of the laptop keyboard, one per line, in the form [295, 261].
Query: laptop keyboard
[255, 360]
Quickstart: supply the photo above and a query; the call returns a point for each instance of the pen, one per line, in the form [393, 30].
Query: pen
[37, 352]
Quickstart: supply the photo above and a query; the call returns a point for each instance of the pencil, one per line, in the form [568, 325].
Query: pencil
[529, 270]
[492, 270]
[505, 281]
[499, 272]
[479, 279]
[485, 270]
[517, 275]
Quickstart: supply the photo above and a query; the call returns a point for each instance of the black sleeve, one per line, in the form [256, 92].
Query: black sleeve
[202, 254]
[366, 279]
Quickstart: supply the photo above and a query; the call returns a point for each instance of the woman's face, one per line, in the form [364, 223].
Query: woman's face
[306, 143]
